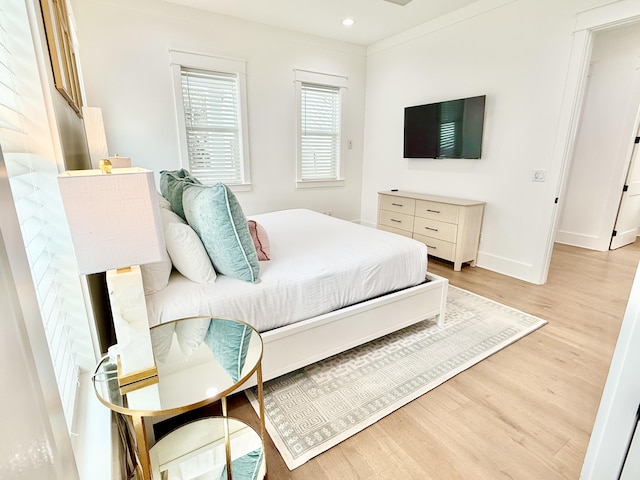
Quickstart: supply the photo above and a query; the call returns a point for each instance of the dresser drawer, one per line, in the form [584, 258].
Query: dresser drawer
[400, 221]
[386, 228]
[443, 212]
[398, 204]
[435, 229]
[437, 248]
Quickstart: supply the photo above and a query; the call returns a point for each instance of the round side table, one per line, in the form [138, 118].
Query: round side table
[200, 360]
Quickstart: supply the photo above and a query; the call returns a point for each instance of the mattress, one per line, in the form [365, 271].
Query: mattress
[318, 264]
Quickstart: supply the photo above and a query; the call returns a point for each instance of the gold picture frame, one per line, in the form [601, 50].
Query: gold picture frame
[63, 57]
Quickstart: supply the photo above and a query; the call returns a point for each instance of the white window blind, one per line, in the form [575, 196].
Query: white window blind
[319, 141]
[212, 124]
[320, 120]
[27, 147]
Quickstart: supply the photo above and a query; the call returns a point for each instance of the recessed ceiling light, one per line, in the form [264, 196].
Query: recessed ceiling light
[347, 22]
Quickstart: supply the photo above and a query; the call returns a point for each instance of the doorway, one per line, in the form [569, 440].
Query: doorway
[604, 146]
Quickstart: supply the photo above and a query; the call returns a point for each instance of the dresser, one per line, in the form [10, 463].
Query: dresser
[450, 227]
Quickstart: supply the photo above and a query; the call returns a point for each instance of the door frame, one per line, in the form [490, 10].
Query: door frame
[587, 23]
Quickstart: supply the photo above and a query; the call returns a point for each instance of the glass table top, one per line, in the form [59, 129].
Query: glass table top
[199, 360]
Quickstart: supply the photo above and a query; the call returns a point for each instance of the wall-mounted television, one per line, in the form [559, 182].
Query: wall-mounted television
[451, 129]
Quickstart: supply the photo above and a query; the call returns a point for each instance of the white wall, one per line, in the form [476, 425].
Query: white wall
[616, 417]
[124, 52]
[605, 136]
[515, 52]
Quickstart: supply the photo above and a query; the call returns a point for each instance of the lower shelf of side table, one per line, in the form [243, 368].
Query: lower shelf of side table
[198, 450]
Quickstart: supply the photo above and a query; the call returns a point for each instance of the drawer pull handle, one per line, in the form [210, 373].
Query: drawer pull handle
[397, 221]
[431, 246]
[432, 229]
[397, 204]
[433, 211]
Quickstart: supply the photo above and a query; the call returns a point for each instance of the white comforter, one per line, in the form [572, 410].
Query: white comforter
[318, 264]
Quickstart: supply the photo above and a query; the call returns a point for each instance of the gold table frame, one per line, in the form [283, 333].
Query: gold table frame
[105, 385]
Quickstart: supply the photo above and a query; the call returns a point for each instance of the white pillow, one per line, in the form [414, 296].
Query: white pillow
[188, 254]
[163, 202]
[161, 338]
[155, 276]
[186, 250]
[190, 334]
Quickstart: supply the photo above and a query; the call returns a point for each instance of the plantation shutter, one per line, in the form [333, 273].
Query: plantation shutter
[25, 141]
[212, 123]
[320, 132]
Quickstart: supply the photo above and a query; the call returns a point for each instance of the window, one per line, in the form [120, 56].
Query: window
[31, 165]
[210, 94]
[319, 98]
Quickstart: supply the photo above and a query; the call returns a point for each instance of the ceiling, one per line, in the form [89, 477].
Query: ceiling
[375, 20]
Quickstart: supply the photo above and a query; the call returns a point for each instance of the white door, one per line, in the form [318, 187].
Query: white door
[628, 219]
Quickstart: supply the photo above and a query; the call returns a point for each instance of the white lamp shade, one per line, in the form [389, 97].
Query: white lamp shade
[114, 218]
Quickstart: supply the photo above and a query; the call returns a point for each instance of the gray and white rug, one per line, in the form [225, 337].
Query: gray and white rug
[315, 408]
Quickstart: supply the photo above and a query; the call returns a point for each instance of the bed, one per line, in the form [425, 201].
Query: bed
[329, 285]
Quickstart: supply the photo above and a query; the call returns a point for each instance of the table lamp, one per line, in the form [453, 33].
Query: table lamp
[115, 225]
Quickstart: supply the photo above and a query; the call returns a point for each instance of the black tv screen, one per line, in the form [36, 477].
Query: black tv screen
[451, 129]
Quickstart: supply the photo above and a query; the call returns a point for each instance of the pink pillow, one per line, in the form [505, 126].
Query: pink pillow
[260, 240]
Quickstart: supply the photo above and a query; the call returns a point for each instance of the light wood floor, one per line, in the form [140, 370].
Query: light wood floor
[524, 413]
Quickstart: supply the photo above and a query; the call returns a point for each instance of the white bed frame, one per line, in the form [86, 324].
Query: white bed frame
[300, 344]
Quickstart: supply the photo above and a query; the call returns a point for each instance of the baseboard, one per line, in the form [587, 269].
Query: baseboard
[584, 241]
[506, 266]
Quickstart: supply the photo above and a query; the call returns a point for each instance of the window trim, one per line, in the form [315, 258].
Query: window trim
[326, 80]
[237, 67]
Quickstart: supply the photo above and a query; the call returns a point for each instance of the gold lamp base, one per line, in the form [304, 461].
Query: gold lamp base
[132, 381]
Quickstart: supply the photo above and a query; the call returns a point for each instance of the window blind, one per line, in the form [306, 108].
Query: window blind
[320, 124]
[212, 123]
[27, 148]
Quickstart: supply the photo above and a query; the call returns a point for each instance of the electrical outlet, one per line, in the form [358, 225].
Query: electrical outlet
[349, 144]
[539, 175]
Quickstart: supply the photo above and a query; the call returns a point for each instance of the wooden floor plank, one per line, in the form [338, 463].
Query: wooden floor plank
[524, 413]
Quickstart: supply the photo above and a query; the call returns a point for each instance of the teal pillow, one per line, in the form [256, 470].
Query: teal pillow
[172, 184]
[229, 342]
[246, 467]
[216, 216]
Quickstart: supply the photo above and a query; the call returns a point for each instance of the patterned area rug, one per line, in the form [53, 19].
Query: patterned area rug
[315, 408]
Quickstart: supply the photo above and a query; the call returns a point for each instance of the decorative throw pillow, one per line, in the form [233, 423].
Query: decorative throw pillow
[260, 240]
[155, 276]
[186, 250]
[229, 342]
[172, 184]
[216, 216]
